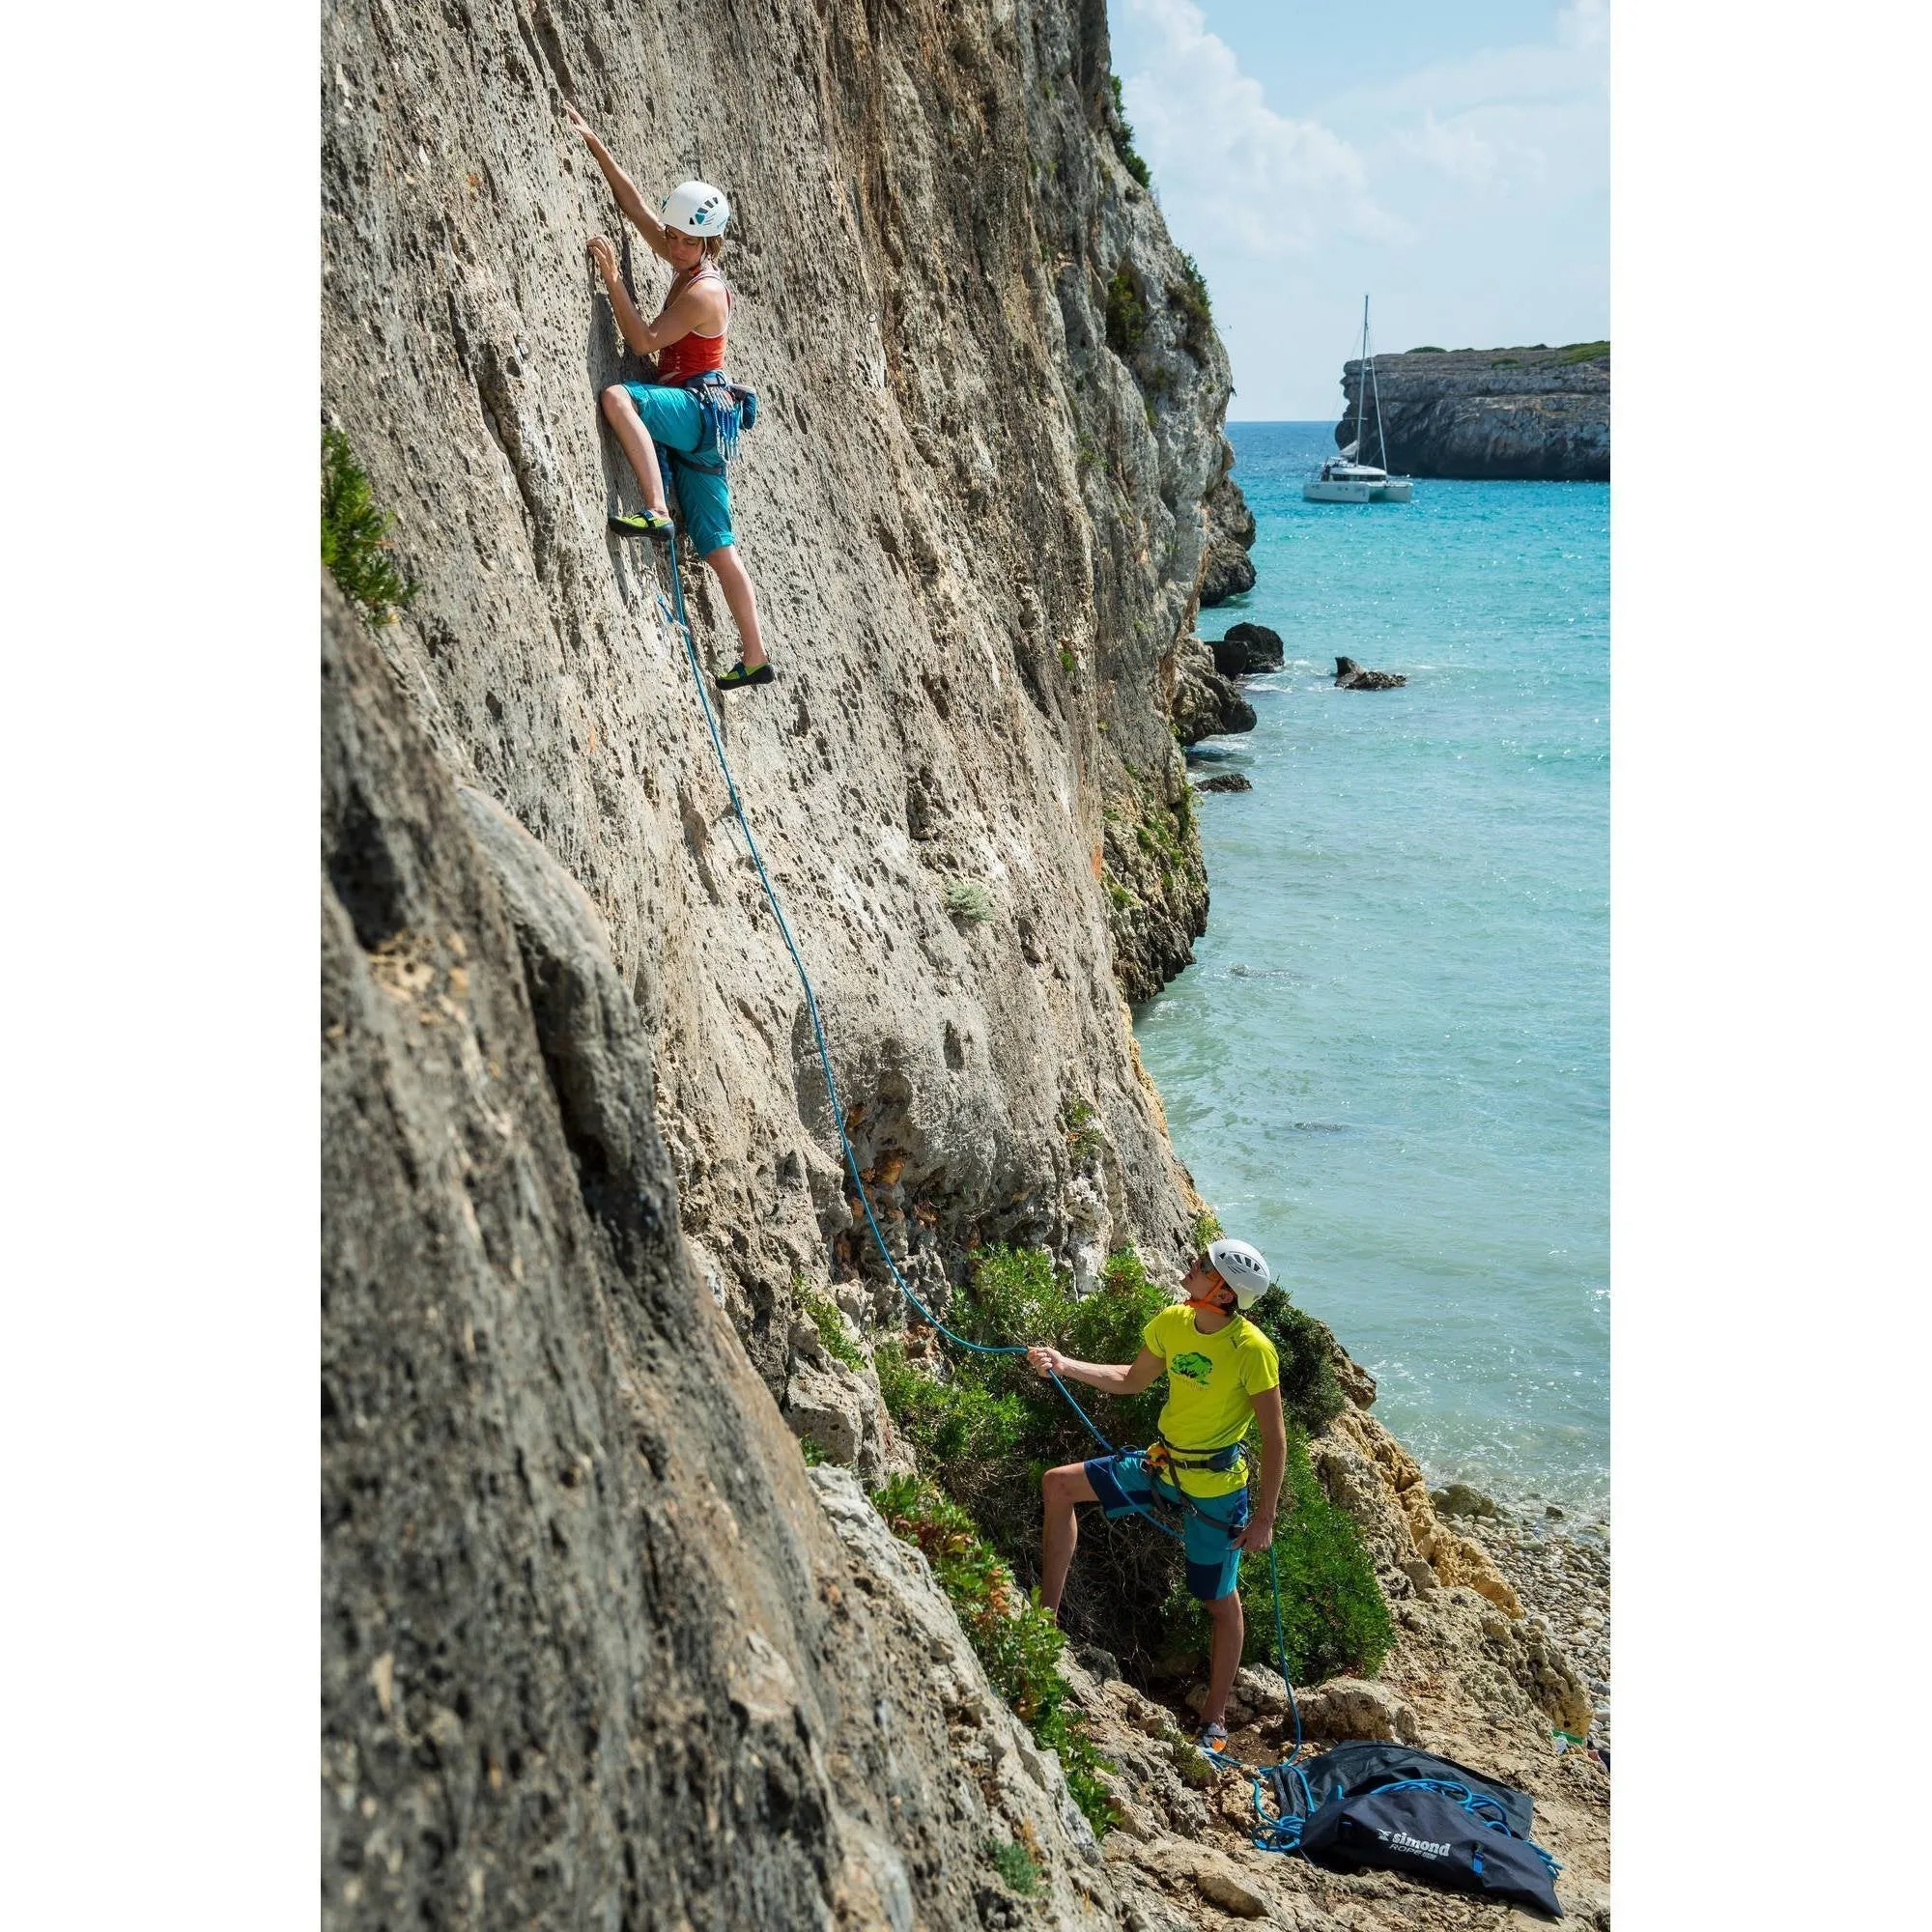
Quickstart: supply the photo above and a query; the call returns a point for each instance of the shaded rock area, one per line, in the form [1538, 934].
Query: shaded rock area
[1204, 704]
[1350, 676]
[591, 1652]
[1247, 648]
[1535, 415]
[1226, 568]
[1226, 781]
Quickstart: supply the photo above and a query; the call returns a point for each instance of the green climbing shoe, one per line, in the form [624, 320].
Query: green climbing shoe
[738, 677]
[652, 524]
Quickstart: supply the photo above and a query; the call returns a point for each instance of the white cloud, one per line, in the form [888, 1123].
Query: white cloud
[1229, 169]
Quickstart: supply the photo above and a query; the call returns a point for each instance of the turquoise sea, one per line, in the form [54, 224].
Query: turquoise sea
[1389, 1064]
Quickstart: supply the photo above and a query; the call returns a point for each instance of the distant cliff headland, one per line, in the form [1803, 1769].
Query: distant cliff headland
[1538, 414]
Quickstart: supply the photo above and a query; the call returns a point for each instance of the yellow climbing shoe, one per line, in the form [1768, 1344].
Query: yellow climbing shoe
[653, 524]
[737, 678]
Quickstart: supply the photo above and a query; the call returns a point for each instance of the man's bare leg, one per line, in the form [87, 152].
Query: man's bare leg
[1062, 1490]
[1223, 1654]
[742, 599]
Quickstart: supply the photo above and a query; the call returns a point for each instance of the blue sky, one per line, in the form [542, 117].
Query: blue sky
[1452, 161]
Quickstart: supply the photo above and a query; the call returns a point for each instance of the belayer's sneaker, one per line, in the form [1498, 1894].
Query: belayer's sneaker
[737, 678]
[651, 523]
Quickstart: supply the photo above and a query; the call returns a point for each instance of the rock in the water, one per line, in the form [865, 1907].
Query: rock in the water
[1350, 676]
[1535, 414]
[1204, 704]
[1247, 648]
[1226, 782]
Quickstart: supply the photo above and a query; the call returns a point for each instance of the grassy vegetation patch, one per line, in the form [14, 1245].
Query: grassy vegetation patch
[355, 536]
[1018, 1643]
[1584, 352]
[1015, 1866]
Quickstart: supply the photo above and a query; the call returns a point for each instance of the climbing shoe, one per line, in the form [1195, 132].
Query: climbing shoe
[738, 677]
[653, 524]
[1212, 1738]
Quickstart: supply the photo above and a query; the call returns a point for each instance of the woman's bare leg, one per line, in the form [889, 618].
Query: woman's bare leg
[621, 414]
[740, 596]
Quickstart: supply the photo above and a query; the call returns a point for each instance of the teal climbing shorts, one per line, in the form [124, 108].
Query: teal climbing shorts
[1125, 1486]
[676, 423]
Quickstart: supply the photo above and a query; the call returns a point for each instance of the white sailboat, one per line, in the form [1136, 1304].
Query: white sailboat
[1346, 479]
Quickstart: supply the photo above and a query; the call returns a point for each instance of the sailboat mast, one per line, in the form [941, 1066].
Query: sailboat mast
[1362, 390]
[1368, 362]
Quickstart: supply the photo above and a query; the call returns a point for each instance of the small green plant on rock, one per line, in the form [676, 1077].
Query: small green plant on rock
[831, 1329]
[1085, 1137]
[1123, 138]
[1015, 1866]
[968, 901]
[354, 536]
[1127, 314]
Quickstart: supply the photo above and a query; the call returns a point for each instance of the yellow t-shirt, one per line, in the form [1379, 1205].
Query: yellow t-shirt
[1211, 1380]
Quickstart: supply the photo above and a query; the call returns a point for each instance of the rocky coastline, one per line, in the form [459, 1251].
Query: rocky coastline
[1536, 414]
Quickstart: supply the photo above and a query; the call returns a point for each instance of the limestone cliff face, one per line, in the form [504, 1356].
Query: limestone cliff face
[1536, 414]
[977, 531]
[572, 1097]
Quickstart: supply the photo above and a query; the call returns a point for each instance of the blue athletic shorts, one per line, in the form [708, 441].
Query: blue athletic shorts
[676, 423]
[1209, 1523]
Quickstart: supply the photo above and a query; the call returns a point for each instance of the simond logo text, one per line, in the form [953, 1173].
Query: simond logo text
[1422, 1848]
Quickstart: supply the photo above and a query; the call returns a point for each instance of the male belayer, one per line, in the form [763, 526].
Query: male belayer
[1220, 1370]
[689, 408]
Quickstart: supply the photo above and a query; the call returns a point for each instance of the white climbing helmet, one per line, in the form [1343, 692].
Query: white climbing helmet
[696, 208]
[1243, 1267]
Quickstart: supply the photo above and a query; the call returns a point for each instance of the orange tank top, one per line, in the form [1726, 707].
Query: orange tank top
[692, 355]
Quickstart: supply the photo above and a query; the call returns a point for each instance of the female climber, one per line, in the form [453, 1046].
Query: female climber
[688, 340]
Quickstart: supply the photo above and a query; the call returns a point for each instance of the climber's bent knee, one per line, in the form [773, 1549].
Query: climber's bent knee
[1069, 1484]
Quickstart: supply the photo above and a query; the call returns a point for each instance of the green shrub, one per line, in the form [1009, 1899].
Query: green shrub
[354, 536]
[1430, 349]
[1018, 1643]
[1206, 1229]
[1127, 314]
[1015, 1866]
[1310, 1395]
[831, 1329]
[1584, 352]
[1123, 138]
[813, 1455]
